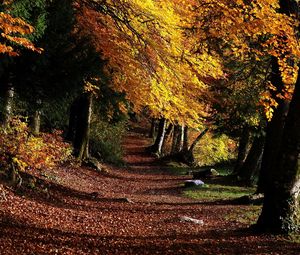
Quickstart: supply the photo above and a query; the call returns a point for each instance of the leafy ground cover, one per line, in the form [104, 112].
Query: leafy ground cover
[131, 210]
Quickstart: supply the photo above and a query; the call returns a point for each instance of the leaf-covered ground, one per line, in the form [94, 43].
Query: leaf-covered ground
[131, 210]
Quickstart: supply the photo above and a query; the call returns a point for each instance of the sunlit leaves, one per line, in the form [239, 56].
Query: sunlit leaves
[27, 152]
[157, 48]
[150, 57]
[12, 32]
[247, 30]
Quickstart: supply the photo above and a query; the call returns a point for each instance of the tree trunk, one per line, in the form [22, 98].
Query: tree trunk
[174, 139]
[252, 162]
[167, 135]
[36, 122]
[177, 142]
[36, 118]
[198, 138]
[274, 130]
[84, 146]
[185, 146]
[280, 211]
[152, 129]
[79, 125]
[280, 177]
[157, 146]
[242, 151]
[169, 130]
[8, 101]
[275, 127]
[188, 155]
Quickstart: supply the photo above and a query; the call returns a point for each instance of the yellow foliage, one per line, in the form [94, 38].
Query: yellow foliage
[248, 30]
[27, 152]
[151, 58]
[162, 53]
[90, 88]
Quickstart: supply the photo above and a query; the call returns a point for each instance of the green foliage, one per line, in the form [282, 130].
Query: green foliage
[214, 192]
[56, 77]
[34, 12]
[212, 150]
[105, 141]
[54, 113]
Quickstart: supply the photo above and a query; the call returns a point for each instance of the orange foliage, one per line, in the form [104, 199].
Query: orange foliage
[26, 152]
[12, 31]
[249, 31]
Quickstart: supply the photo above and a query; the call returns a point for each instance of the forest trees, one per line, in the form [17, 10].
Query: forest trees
[157, 70]
[259, 29]
[20, 150]
[189, 63]
[154, 70]
[19, 37]
[281, 175]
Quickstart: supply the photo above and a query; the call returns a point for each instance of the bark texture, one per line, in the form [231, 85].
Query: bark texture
[274, 130]
[36, 118]
[157, 146]
[280, 211]
[252, 162]
[79, 125]
[8, 102]
[177, 142]
[242, 150]
[185, 139]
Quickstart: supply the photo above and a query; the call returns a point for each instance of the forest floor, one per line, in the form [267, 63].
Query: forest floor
[130, 210]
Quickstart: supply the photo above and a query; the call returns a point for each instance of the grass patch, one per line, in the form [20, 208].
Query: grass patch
[214, 192]
[223, 170]
[177, 168]
[247, 215]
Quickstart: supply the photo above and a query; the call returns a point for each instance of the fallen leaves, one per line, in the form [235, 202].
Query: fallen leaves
[87, 213]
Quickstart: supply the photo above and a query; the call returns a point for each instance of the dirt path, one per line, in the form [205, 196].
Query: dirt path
[132, 210]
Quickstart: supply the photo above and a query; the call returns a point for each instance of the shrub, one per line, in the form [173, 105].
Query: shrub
[22, 151]
[106, 141]
[212, 150]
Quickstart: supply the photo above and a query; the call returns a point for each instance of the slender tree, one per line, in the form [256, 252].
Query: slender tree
[242, 149]
[252, 163]
[157, 146]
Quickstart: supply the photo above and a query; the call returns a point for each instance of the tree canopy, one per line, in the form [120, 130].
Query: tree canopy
[220, 66]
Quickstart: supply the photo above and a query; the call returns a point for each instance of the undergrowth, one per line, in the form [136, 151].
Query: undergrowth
[106, 141]
[214, 149]
[20, 150]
